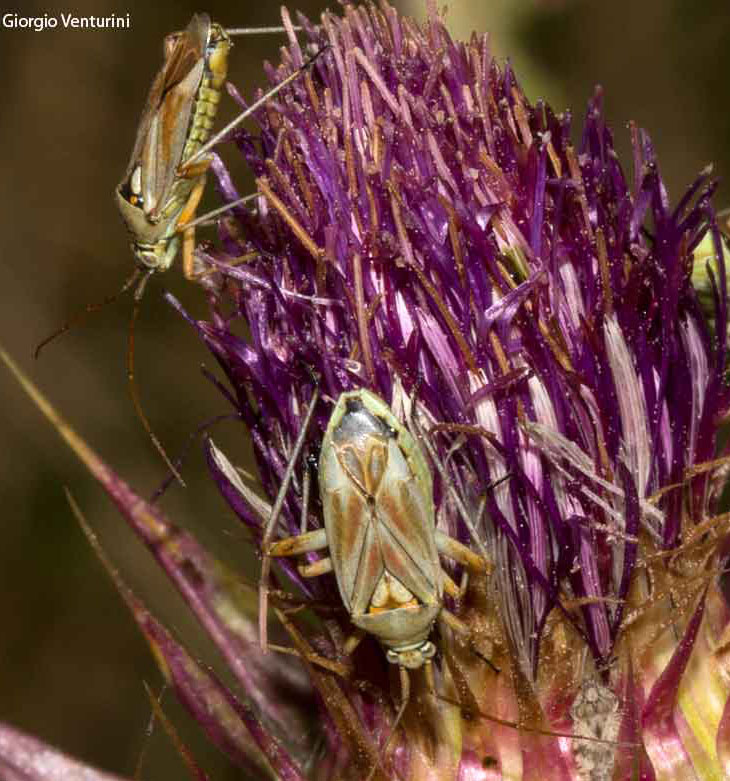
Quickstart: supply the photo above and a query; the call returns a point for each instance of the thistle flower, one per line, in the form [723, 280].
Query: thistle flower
[425, 232]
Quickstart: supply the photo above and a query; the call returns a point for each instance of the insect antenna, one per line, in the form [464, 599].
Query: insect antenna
[270, 529]
[233, 31]
[138, 293]
[185, 452]
[89, 309]
[255, 106]
[405, 688]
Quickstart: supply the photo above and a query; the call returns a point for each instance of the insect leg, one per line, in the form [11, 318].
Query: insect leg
[306, 485]
[321, 661]
[428, 673]
[321, 567]
[274, 518]
[304, 651]
[192, 170]
[449, 620]
[232, 32]
[453, 549]
[302, 543]
[133, 385]
[305, 543]
[454, 590]
[353, 641]
[188, 231]
[405, 689]
[221, 269]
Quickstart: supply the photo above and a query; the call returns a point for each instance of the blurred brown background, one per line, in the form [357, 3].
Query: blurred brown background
[71, 661]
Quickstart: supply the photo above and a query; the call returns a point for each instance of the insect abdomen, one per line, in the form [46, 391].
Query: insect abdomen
[209, 92]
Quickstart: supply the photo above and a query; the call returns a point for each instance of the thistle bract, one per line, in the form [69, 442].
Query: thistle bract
[525, 307]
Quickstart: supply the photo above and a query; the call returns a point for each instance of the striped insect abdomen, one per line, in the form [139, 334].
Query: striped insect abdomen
[209, 92]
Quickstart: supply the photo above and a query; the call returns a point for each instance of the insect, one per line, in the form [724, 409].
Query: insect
[380, 533]
[161, 187]
[165, 178]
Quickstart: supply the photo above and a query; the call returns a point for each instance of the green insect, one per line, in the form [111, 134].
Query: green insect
[165, 178]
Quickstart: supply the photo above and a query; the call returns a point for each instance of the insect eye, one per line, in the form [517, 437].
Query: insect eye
[132, 198]
[131, 189]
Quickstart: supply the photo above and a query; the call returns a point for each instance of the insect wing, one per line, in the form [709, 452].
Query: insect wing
[403, 524]
[378, 508]
[164, 126]
[165, 141]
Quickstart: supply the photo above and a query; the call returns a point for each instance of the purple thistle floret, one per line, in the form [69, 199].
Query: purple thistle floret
[424, 232]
